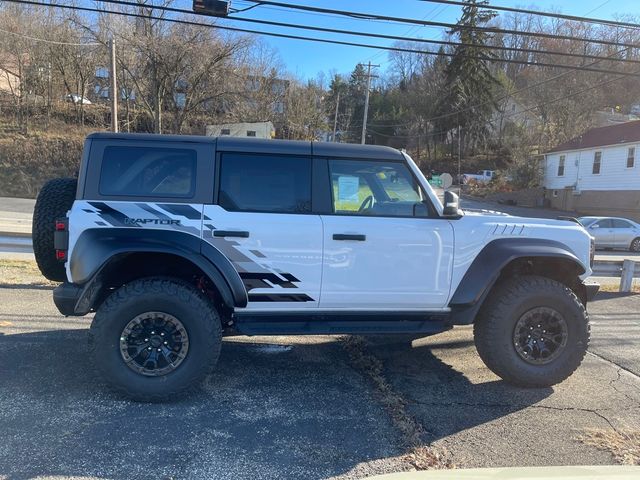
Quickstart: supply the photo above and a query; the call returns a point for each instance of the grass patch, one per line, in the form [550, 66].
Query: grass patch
[614, 288]
[624, 445]
[21, 272]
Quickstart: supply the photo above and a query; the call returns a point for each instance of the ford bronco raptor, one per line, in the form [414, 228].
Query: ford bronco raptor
[174, 241]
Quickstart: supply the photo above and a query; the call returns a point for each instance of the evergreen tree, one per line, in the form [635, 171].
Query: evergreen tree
[469, 82]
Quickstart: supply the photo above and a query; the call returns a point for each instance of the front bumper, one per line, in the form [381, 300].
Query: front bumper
[66, 297]
[591, 289]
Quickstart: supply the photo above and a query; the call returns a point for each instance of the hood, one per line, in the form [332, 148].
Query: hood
[482, 211]
[596, 472]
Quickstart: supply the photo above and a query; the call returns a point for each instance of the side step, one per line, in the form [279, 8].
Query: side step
[262, 323]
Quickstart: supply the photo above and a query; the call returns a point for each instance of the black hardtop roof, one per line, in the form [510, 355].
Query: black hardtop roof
[291, 147]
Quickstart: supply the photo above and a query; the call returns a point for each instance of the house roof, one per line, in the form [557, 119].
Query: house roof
[627, 132]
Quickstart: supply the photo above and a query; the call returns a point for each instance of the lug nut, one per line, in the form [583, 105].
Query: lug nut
[153, 332]
[166, 343]
[148, 348]
[146, 339]
[159, 350]
[162, 334]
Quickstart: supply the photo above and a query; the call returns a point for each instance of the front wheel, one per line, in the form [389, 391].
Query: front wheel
[155, 338]
[532, 331]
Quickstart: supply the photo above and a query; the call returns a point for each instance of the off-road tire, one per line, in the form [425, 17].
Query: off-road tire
[53, 202]
[494, 330]
[156, 294]
[635, 245]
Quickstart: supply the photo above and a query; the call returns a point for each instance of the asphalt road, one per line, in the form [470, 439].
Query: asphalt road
[300, 407]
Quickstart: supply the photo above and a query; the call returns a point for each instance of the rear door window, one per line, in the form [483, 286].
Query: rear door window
[148, 171]
[621, 223]
[265, 183]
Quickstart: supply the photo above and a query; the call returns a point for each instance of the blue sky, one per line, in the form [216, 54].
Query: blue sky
[305, 59]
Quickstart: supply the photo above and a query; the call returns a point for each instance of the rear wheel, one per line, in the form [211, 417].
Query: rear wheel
[532, 331]
[54, 201]
[155, 339]
[635, 245]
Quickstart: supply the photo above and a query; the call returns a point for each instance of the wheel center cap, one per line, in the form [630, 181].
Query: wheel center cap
[155, 341]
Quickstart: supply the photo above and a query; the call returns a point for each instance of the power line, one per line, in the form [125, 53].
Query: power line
[321, 40]
[367, 16]
[44, 40]
[378, 35]
[561, 16]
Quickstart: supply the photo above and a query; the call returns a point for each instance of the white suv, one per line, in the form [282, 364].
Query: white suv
[173, 240]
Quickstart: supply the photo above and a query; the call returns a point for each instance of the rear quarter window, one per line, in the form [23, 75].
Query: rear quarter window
[148, 172]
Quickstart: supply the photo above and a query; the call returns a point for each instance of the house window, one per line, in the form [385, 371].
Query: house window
[631, 157]
[561, 166]
[597, 157]
[555, 193]
[225, 131]
[251, 133]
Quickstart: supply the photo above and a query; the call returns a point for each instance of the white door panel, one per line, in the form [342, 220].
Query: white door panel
[280, 262]
[403, 263]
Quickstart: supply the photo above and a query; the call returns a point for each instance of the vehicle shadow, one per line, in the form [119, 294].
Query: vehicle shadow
[444, 400]
[298, 411]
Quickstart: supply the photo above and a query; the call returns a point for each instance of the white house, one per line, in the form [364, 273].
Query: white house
[257, 130]
[597, 173]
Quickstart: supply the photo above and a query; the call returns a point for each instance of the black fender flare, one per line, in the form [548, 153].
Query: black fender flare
[96, 247]
[485, 269]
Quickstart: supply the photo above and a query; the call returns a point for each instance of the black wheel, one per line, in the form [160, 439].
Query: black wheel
[155, 339]
[635, 245]
[53, 202]
[532, 331]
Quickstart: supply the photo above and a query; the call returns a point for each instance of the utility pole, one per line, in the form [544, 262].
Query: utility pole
[459, 158]
[366, 103]
[335, 118]
[113, 87]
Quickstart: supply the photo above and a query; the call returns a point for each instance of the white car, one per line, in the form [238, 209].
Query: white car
[173, 240]
[613, 232]
[77, 99]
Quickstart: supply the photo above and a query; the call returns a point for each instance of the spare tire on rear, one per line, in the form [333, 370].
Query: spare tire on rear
[53, 202]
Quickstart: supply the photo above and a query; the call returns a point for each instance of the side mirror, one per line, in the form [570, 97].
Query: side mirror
[451, 205]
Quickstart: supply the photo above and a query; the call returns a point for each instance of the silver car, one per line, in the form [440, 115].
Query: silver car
[613, 232]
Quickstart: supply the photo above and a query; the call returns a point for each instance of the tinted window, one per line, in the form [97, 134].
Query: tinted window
[606, 223]
[146, 171]
[621, 223]
[265, 183]
[373, 188]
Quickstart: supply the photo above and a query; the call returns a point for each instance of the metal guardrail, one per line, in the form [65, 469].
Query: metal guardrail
[610, 268]
[625, 270]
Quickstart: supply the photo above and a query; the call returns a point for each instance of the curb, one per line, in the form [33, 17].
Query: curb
[15, 234]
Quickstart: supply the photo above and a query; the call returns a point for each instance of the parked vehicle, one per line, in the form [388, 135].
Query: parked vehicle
[613, 232]
[483, 176]
[175, 240]
[77, 99]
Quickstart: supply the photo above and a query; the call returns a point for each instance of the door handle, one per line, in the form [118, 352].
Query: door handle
[349, 236]
[231, 233]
